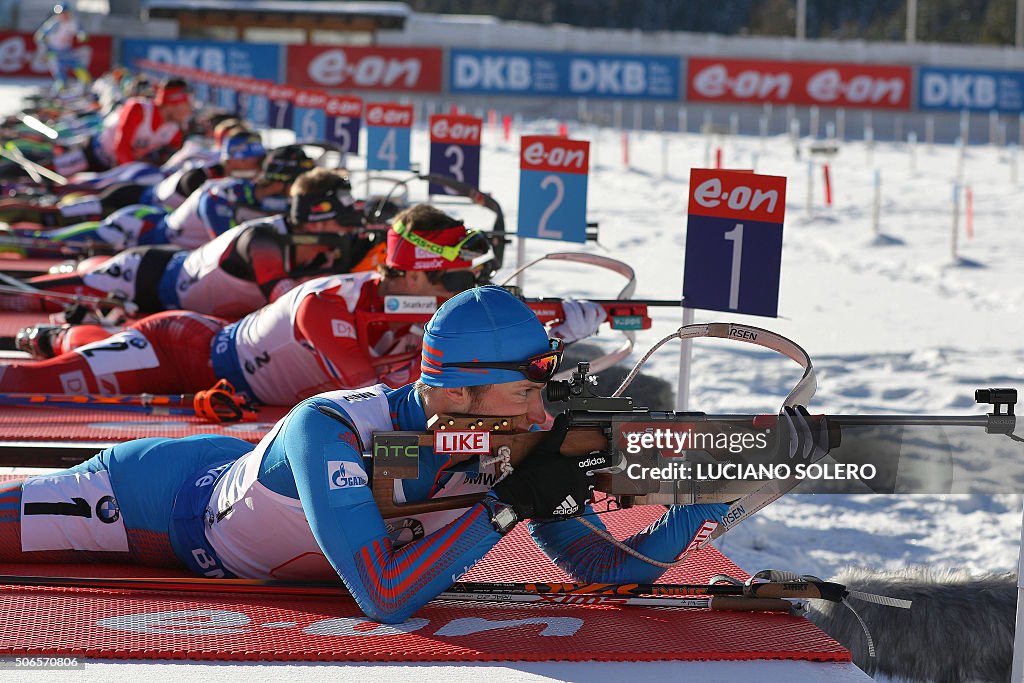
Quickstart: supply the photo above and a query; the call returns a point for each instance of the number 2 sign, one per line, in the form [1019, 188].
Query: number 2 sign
[388, 134]
[455, 150]
[553, 188]
[734, 242]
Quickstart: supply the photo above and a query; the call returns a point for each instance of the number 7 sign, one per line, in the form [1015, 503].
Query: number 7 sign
[553, 188]
[734, 242]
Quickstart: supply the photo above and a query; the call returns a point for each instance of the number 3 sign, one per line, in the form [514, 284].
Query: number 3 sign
[388, 128]
[455, 150]
[734, 242]
[553, 188]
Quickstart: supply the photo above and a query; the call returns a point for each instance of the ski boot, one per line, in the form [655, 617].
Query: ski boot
[40, 340]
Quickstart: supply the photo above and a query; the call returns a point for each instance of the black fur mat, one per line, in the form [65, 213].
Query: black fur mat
[960, 627]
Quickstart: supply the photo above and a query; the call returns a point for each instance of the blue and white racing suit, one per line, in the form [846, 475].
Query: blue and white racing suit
[299, 506]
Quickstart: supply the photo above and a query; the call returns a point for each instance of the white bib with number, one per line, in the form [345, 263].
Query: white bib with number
[122, 352]
[71, 512]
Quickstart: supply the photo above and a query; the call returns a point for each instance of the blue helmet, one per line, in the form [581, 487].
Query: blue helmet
[242, 146]
[481, 325]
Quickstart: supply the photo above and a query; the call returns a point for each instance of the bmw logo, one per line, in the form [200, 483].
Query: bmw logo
[107, 510]
[391, 304]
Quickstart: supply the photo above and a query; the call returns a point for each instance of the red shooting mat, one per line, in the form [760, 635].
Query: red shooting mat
[11, 322]
[13, 264]
[19, 423]
[116, 624]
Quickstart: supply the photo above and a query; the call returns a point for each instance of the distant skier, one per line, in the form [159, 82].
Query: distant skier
[56, 37]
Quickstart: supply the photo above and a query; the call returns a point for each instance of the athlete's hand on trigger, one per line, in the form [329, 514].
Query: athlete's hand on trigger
[547, 484]
[582, 319]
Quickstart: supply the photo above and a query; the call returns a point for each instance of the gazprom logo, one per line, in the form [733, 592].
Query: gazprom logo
[345, 475]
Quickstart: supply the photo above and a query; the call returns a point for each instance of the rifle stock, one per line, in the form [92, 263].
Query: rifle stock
[396, 455]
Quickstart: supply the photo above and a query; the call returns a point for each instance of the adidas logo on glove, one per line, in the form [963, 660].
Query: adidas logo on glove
[591, 462]
[567, 507]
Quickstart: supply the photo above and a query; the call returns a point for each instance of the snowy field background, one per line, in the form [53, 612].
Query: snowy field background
[895, 327]
[892, 325]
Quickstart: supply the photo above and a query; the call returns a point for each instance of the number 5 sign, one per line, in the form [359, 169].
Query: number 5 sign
[734, 242]
[344, 119]
[388, 133]
[553, 188]
[455, 150]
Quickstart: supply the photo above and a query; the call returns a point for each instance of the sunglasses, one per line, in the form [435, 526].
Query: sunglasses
[474, 247]
[540, 368]
[457, 280]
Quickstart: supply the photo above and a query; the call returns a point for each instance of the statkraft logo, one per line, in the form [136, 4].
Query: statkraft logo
[410, 304]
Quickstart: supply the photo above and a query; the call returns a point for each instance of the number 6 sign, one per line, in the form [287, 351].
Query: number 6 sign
[388, 133]
[553, 188]
[734, 242]
[455, 150]
[308, 117]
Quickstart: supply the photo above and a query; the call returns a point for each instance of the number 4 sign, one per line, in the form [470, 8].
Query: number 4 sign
[455, 150]
[388, 133]
[553, 188]
[734, 242]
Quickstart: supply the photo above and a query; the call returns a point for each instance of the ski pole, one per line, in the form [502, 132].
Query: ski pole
[12, 153]
[65, 298]
[218, 404]
[333, 590]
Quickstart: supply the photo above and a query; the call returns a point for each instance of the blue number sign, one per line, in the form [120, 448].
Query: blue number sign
[553, 188]
[388, 134]
[734, 242]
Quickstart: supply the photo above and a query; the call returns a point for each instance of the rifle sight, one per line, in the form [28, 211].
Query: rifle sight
[997, 398]
[577, 392]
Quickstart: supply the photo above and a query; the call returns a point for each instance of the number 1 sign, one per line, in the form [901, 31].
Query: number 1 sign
[734, 242]
[388, 132]
[455, 150]
[553, 188]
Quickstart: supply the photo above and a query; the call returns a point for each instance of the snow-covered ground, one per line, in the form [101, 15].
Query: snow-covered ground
[892, 324]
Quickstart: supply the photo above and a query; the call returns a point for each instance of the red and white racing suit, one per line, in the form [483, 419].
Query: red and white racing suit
[136, 131]
[302, 344]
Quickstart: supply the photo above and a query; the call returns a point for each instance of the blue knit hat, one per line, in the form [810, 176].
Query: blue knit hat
[485, 324]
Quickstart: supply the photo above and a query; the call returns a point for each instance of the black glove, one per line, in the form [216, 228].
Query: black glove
[547, 484]
[800, 437]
